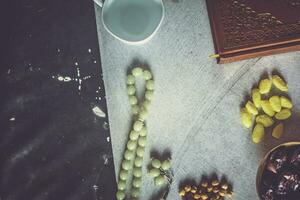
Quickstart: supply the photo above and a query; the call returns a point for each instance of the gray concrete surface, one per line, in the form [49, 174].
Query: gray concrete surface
[195, 111]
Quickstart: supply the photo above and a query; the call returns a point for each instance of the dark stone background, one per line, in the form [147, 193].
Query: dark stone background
[52, 145]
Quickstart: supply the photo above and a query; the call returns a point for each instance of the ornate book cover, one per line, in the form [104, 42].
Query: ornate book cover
[245, 29]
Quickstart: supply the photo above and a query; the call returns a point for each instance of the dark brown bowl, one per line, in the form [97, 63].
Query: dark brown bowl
[263, 163]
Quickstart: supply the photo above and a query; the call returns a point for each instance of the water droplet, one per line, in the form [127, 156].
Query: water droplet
[98, 111]
[96, 187]
[105, 125]
[105, 159]
[60, 78]
[67, 79]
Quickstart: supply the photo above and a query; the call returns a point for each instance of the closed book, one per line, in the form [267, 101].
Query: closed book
[245, 29]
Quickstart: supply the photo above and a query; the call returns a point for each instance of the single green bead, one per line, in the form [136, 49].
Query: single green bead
[137, 126]
[133, 100]
[138, 162]
[166, 164]
[142, 141]
[135, 192]
[135, 109]
[143, 114]
[134, 135]
[146, 104]
[131, 145]
[150, 85]
[120, 195]
[131, 90]
[140, 151]
[160, 180]
[129, 154]
[121, 185]
[130, 79]
[147, 75]
[154, 172]
[123, 174]
[143, 132]
[126, 164]
[136, 182]
[137, 172]
[156, 163]
[149, 95]
[137, 71]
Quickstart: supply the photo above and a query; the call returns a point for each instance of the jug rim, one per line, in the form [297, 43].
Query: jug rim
[138, 42]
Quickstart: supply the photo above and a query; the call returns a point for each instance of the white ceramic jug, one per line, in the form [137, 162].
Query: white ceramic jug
[132, 21]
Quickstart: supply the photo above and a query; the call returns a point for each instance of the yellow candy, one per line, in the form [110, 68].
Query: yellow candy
[258, 133]
[283, 114]
[267, 108]
[187, 188]
[182, 193]
[256, 97]
[251, 108]
[278, 131]
[279, 83]
[275, 103]
[265, 120]
[265, 86]
[285, 102]
[246, 118]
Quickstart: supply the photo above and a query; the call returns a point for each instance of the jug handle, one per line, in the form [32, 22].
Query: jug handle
[99, 2]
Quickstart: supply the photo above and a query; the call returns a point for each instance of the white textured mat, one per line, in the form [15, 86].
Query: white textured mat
[195, 111]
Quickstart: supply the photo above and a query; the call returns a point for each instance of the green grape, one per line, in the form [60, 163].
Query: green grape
[140, 151]
[142, 141]
[120, 195]
[154, 172]
[137, 172]
[135, 109]
[126, 164]
[137, 126]
[136, 182]
[135, 193]
[130, 79]
[122, 185]
[147, 75]
[131, 145]
[138, 161]
[150, 85]
[133, 135]
[143, 114]
[123, 174]
[166, 164]
[131, 90]
[159, 180]
[137, 71]
[146, 104]
[132, 100]
[129, 155]
[149, 95]
[156, 163]
[143, 132]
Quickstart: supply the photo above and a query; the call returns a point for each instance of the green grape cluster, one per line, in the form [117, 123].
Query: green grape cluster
[159, 170]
